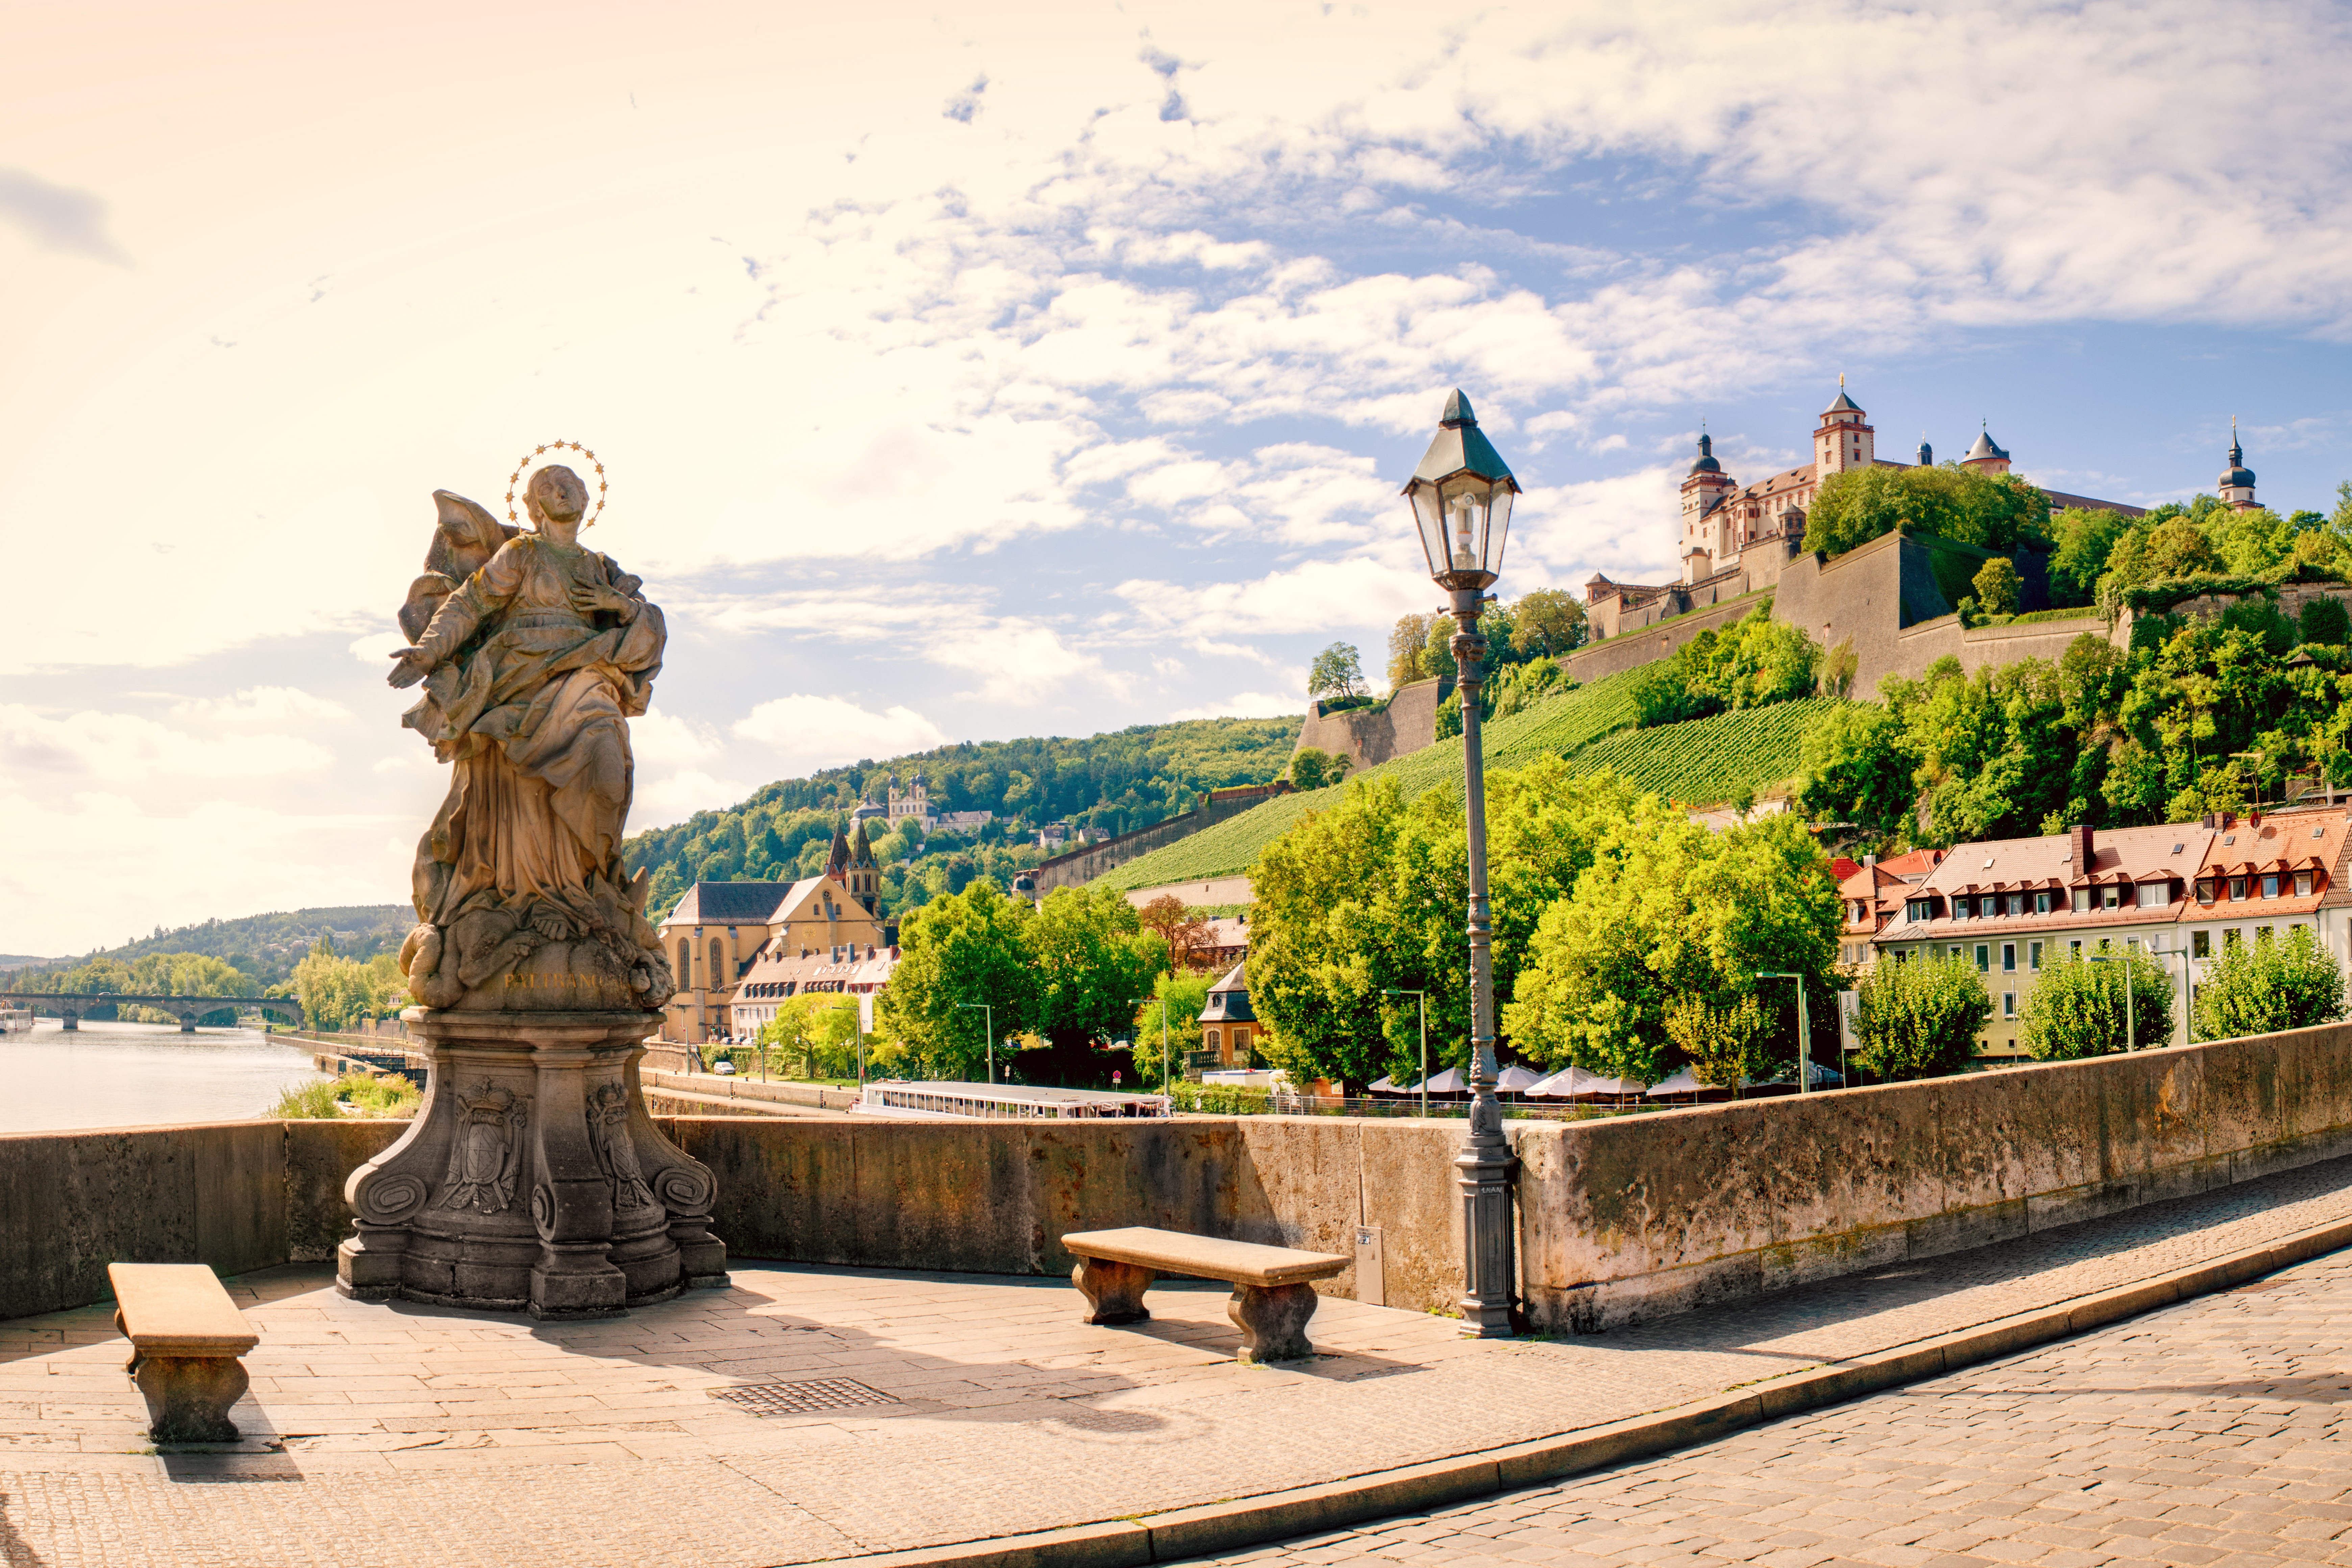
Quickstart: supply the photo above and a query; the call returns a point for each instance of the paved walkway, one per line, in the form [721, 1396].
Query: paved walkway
[394, 1435]
[2210, 1432]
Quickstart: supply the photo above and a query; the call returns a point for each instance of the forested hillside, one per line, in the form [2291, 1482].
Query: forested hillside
[264, 948]
[1130, 778]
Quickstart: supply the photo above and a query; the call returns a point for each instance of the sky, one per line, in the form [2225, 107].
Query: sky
[1006, 370]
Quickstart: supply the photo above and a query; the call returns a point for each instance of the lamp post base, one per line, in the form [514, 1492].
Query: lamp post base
[1490, 1283]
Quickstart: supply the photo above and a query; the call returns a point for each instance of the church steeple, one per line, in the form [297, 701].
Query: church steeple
[2237, 480]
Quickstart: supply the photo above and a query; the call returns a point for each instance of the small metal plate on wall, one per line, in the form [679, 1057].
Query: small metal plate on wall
[1371, 1272]
[809, 1398]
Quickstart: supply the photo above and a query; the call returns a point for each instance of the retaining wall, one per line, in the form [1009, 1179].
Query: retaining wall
[1405, 723]
[1082, 866]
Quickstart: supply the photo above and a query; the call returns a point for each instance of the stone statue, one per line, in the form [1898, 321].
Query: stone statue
[535, 652]
[538, 973]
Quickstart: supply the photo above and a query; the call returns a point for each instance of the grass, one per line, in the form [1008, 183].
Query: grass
[1704, 762]
[2075, 613]
[366, 1097]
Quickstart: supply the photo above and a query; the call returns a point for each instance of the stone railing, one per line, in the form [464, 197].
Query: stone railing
[1620, 1218]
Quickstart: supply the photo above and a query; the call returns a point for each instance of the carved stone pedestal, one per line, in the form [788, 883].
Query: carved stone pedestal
[532, 1179]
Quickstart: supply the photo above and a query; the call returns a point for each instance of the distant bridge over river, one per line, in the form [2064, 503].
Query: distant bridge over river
[70, 1005]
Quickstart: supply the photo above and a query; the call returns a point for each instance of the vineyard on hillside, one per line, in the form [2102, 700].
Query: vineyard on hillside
[1705, 762]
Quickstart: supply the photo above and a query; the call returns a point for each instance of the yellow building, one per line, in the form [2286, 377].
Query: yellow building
[718, 929]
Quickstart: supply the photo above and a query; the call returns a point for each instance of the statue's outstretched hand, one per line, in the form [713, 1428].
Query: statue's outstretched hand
[408, 667]
[589, 598]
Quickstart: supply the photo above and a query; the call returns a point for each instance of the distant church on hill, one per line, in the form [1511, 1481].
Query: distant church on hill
[1734, 539]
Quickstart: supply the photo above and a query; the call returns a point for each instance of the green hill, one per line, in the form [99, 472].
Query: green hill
[1126, 779]
[1704, 762]
[267, 947]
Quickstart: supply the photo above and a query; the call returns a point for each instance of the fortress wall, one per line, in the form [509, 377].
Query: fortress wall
[1631, 650]
[1081, 865]
[1404, 724]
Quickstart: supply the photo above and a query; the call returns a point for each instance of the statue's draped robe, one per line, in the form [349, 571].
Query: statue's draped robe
[534, 717]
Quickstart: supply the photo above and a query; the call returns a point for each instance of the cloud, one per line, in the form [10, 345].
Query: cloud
[1312, 599]
[121, 748]
[260, 705]
[1245, 705]
[57, 217]
[803, 734]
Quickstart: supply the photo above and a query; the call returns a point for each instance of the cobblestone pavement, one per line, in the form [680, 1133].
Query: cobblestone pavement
[396, 1434]
[2210, 1432]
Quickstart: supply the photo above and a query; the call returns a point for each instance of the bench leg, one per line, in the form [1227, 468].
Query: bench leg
[1114, 1291]
[188, 1396]
[1273, 1321]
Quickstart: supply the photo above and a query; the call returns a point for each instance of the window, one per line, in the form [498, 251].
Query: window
[2041, 903]
[2237, 887]
[2114, 899]
[718, 962]
[2270, 885]
[2200, 944]
[1216, 1039]
[2082, 900]
[2303, 884]
[2017, 903]
[2204, 889]
[2033, 954]
[2008, 957]
[2231, 937]
[2009, 1003]
[685, 962]
[1984, 958]
[1241, 1043]
[2155, 895]
[2074, 948]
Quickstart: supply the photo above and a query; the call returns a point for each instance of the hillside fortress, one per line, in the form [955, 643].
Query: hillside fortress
[1734, 539]
[1891, 602]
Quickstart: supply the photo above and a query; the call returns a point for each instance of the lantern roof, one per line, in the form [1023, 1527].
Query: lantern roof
[1460, 446]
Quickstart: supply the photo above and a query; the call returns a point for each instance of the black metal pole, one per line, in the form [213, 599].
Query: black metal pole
[1490, 1271]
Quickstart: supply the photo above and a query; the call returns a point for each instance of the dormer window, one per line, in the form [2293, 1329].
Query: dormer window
[2237, 888]
[2204, 889]
[2303, 884]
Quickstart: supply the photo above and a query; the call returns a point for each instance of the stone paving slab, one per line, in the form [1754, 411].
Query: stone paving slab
[381, 1434]
[2217, 1430]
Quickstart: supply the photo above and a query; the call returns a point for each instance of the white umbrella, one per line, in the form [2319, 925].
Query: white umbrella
[1450, 1082]
[1517, 1080]
[1558, 1086]
[1383, 1085]
[1684, 1082]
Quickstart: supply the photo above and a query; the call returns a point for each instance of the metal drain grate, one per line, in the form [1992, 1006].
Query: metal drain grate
[802, 1398]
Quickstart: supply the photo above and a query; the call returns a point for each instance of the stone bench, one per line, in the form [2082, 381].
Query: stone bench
[185, 1337]
[1271, 1301]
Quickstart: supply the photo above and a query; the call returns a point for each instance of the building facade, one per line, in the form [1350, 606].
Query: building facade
[780, 972]
[718, 929]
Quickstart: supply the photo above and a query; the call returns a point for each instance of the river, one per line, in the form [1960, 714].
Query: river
[141, 1075]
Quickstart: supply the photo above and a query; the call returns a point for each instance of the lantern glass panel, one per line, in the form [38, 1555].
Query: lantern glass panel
[1428, 516]
[1498, 526]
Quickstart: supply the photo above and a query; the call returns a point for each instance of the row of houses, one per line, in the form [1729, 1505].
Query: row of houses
[2181, 892]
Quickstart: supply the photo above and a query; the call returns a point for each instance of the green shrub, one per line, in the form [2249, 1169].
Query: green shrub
[2076, 1007]
[1919, 1018]
[2269, 983]
[308, 1101]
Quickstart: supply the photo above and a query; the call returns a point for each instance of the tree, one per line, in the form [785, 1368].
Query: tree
[1724, 1041]
[1753, 661]
[2269, 983]
[1171, 919]
[2086, 537]
[2077, 1006]
[968, 947]
[1547, 623]
[1993, 512]
[1997, 586]
[1187, 996]
[1669, 910]
[1407, 638]
[2326, 621]
[1919, 1017]
[1311, 768]
[2179, 549]
[1338, 671]
[1089, 959]
[1437, 649]
[336, 991]
[1856, 765]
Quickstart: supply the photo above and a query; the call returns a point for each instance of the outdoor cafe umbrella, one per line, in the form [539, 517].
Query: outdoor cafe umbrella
[1517, 1080]
[1572, 1082]
[1383, 1085]
[1450, 1082]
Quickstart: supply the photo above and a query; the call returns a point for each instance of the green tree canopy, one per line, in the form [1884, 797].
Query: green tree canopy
[2076, 1007]
[1090, 959]
[968, 947]
[1753, 661]
[2267, 984]
[1994, 512]
[1920, 1017]
[1669, 910]
[1998, 587]
[1338, 671]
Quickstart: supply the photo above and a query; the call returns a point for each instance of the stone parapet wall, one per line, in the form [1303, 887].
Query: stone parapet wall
[1366, 736]
[1082, 866]
[1620, 1218]
[1633, 649]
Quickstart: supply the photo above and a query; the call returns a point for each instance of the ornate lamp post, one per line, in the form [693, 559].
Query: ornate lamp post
[1461, 497]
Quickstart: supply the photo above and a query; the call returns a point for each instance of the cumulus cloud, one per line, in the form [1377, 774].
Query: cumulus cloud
[260, 705]
[123, 747]
[803, 733]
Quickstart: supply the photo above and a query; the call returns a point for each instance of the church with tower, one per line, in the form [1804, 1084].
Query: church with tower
[1734, 539]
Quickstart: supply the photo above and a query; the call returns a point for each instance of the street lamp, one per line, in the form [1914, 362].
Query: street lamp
[1804, 1029]
[1424, 1041]
[989, 1018]
[1461, 497]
